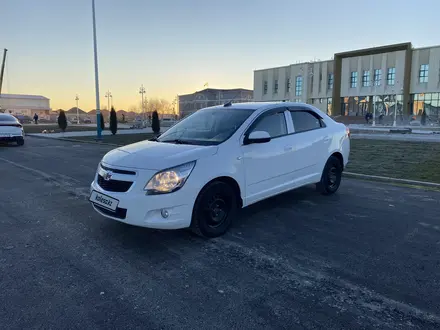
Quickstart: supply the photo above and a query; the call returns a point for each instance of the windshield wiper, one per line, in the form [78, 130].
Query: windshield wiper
[176, 141]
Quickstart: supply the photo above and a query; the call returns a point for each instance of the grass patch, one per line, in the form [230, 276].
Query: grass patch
[120, 139]
[32, 128]
[396, 159]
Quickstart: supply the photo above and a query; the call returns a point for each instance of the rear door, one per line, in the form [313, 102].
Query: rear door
[311, 141]
[267, 165]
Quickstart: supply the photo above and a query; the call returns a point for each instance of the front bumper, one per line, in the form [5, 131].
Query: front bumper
[138, 209]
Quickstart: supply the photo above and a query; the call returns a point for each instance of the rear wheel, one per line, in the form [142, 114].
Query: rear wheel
[214, 210]
[331, 176]
[20, 141]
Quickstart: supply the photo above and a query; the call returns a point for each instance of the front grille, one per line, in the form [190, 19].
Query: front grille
[119, 213]
[114, 185]
[114, 170]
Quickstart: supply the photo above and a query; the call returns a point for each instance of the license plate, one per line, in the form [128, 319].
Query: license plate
[103, 200]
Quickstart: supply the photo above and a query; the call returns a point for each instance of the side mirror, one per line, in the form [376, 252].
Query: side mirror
[257, 137]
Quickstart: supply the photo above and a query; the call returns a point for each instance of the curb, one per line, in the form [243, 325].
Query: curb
[392, 180]
[73, 140]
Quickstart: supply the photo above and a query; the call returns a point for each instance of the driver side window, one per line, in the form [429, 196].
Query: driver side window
[274, 124]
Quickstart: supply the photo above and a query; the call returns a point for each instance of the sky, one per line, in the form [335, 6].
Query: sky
[176, 46]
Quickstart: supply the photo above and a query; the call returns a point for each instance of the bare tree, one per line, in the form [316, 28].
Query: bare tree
[159, 105]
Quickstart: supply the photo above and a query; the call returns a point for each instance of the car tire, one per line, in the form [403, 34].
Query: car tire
[214, 210]
[331, 177]
[20, 141]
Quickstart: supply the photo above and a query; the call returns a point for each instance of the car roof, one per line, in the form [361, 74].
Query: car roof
[263, 105]
[6, 115]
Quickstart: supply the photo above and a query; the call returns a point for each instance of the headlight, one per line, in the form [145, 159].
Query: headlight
[169, 180]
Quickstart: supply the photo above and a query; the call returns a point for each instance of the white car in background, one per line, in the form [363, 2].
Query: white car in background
[220, 159]
[10, 129]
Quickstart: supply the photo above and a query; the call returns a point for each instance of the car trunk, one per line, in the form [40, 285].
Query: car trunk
[10, 128]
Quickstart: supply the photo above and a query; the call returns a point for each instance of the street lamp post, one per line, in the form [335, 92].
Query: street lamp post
[77, 111]
[109, 96]
[374, 102]
[95, 51]
[142, 92]
[395, 107]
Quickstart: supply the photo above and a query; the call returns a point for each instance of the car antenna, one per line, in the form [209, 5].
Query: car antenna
[229, 103]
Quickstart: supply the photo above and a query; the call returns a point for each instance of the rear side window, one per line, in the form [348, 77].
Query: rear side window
[304, 121]
[274, 124]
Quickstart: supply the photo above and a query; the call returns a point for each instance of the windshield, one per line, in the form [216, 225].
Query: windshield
[207, 126]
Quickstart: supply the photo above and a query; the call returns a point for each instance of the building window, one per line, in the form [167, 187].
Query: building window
[353, 79]
[298, 86]
[377, 77]
[265, 87]
[391, 76]
[330, 81]
[355, 105]
[423, 73]
[366, 78]
[288, 85]
[275, 86]
[329, 106]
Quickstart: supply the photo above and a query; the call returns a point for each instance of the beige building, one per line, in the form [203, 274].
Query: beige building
[25, 105]
[357, 82]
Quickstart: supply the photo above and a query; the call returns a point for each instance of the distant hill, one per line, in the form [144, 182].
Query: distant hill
[129, 115]
[73, 111]
[103, 112]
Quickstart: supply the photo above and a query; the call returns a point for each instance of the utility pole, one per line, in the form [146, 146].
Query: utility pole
[77, 111]
[142, 92]
[95, 51]
[2, 72]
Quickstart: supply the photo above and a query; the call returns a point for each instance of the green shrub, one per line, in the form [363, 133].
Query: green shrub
[155, 124]
[62, 120]
[113, 121]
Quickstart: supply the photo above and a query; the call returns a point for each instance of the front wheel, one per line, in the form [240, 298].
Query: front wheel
[214, 210]
[331, 176]
[20, 141]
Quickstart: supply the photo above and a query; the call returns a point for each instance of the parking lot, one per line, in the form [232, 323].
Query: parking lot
[367, 257]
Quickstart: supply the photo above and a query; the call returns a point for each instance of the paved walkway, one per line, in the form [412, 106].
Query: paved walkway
[92, 133]
[414, 129]
[398, 137]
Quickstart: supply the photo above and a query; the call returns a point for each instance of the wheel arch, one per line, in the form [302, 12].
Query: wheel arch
[339, 156]
[230, 181]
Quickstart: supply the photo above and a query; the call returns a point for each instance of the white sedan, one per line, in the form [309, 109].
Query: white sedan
[10, 129]
[201, 171]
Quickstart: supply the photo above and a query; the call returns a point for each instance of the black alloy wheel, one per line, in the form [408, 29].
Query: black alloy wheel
[331, 176]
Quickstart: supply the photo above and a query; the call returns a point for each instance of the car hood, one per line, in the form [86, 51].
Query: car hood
[157, 156]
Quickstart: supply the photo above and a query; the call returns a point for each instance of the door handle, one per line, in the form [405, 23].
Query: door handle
[327, 138]
[288, 148]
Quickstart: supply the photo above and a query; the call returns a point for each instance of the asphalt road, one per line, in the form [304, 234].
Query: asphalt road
[367, 257]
